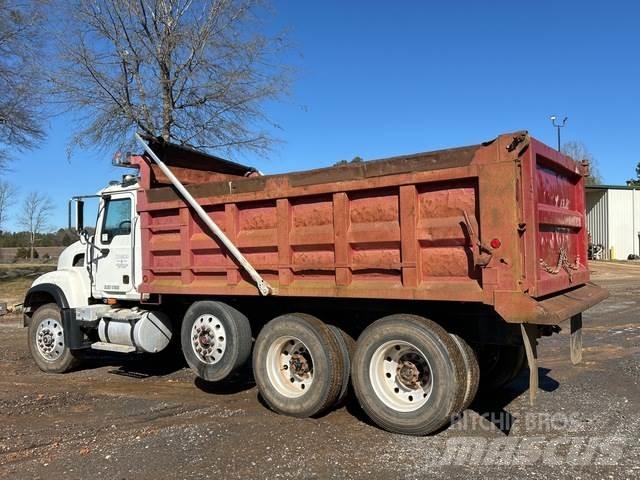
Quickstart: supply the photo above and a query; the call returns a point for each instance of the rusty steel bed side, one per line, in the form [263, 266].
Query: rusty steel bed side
[398, 228]
[397, 191]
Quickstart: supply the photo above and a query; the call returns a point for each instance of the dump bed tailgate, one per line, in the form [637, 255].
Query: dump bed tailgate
[560, 236]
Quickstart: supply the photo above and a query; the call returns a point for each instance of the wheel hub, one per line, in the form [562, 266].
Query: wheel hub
[208, 339]
[204, 339]
[400, 375]
[47, 338]
[408, 374]
[290, 366]
[50, 339]
[299, 365]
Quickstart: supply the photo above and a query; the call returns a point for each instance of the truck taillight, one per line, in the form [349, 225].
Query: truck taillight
[495, 243]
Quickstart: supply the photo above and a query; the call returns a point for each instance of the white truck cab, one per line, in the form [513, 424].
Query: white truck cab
[92, 300]
[108, 263]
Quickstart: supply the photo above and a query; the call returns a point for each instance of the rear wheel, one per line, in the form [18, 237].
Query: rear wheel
[472, 370]
[499, 365]
[347, 347]
[47, 343]
[407, 374]
[298, 365]
[216, 339]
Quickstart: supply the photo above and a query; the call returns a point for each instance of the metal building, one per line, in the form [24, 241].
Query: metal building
[613, 219]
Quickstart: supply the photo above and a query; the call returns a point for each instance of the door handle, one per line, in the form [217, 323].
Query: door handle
[104, 252]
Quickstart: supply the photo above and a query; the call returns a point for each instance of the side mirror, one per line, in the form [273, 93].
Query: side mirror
[80, 215]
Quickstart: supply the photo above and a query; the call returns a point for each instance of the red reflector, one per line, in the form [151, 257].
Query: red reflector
[495, 243]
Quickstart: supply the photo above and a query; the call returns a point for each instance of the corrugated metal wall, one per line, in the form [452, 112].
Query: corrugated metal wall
[597, 216]
[624, 222]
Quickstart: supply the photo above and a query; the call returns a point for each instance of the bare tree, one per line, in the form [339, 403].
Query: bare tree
[7, 198]
[195, 72]
[20, 78]
[579, 152]
[34, 217]
[635, 182]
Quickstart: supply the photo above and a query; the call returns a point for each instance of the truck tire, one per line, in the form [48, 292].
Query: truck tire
[347, 346]
[472, 371]
[215, 338]
[47, 343]
[298, 365]
[499, 365]
[408, 374]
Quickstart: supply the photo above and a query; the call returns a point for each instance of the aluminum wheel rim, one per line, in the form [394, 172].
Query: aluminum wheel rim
[290, 366]
[208, 339]
[401, 376]
[50, 339]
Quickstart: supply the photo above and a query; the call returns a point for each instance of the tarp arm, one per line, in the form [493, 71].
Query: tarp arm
[263, 286]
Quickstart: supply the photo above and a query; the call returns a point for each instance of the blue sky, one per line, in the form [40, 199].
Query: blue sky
[382, 78]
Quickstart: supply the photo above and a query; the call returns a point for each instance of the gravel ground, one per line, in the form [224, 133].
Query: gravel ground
[124, 418]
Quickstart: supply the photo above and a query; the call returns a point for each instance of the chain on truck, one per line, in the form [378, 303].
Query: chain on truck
[447, 267]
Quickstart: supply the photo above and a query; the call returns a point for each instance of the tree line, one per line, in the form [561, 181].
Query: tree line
[62, 237]
[33, 217]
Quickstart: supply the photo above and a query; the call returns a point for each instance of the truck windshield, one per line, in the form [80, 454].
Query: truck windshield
[117, 218]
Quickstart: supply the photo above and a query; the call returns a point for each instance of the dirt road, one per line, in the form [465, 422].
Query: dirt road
[124, 418]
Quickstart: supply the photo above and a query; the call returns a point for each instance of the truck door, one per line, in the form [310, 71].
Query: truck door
[113, 261]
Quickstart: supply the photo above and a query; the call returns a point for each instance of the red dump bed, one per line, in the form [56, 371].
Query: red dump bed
[500, 223]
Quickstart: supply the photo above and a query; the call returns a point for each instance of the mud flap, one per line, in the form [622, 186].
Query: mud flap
[529, 338]
[575, 341]
[73, 335]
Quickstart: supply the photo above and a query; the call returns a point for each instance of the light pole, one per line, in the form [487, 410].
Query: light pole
[558, 126]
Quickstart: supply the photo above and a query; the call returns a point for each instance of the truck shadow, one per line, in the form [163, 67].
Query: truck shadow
[237, 382]
[134, 366]
[146, 366]
[491, 405]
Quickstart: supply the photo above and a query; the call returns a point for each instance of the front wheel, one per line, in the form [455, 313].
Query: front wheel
[47, 343]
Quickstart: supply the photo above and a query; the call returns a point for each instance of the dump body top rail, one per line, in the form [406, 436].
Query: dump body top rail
[484, 223]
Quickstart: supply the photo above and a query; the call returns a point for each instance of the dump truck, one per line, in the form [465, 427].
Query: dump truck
[412, 282]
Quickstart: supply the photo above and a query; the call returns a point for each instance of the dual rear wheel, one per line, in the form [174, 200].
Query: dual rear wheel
[301, 365]
[408, 373]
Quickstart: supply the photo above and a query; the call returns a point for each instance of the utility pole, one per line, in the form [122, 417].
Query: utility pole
[558, 126]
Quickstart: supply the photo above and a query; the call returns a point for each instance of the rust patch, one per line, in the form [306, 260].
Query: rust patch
[451, 158]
